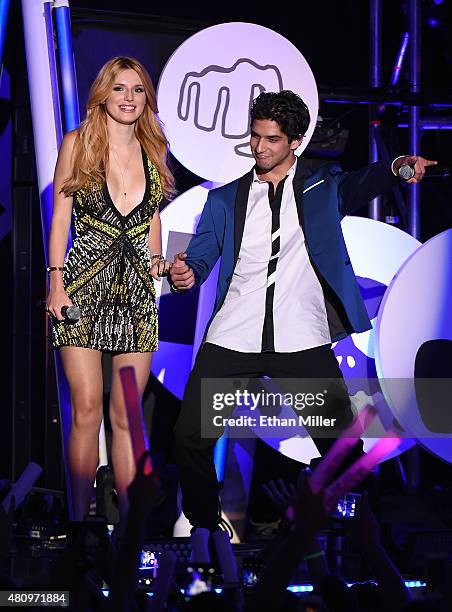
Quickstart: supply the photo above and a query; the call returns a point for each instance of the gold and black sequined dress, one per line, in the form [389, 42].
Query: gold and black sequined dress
[107, 272]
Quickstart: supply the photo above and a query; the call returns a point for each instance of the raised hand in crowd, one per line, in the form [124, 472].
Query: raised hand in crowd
[281, 495]
[145, 494]
[313, 506]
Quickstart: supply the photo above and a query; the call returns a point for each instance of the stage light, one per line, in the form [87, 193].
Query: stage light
[400, 57]
[434, 13]
[303, 588]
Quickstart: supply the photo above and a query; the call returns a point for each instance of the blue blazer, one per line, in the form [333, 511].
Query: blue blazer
[323, 197]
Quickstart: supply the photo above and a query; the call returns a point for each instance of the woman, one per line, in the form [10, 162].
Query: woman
[118, 153]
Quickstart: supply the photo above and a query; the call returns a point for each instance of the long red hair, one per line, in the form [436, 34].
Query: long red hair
[90, 153]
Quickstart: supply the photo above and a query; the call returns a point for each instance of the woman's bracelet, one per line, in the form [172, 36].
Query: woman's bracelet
[158, 256]
[314, 555]
[55, 269]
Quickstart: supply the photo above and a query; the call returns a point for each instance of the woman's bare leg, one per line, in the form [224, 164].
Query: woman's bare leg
[122, 455]
[83, 369]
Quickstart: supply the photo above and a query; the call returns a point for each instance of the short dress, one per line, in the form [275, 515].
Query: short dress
[107, 272]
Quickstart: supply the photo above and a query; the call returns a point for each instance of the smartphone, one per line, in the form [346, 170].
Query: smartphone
[149, 567]
[249, 578]
[199, 579]
[149, 561]
[347, 506]
[251, 571]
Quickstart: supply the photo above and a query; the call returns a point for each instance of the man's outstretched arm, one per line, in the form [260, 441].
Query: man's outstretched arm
[358, 187]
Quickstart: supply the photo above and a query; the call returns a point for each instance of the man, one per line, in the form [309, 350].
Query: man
[286, 288]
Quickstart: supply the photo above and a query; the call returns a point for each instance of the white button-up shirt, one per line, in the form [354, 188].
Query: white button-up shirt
[299, 315]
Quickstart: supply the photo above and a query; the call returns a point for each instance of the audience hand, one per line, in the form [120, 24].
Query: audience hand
[281, 495]
[318, 497]
[144, 491]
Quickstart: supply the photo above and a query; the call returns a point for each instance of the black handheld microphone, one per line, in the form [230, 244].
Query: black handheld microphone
[71, 314]
[406, 172]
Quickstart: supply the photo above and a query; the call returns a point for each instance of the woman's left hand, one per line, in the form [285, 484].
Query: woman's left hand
[160, 268]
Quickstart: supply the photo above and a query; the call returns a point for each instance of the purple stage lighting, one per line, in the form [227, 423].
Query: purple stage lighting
[400, 58]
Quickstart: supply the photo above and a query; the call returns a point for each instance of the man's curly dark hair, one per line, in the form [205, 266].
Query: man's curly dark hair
[286, 108]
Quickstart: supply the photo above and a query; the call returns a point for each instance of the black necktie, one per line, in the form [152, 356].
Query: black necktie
[268, 334]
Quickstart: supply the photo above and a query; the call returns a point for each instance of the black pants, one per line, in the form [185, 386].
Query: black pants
[194, 454]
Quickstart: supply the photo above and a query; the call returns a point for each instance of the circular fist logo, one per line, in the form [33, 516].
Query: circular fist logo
[204, 97]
